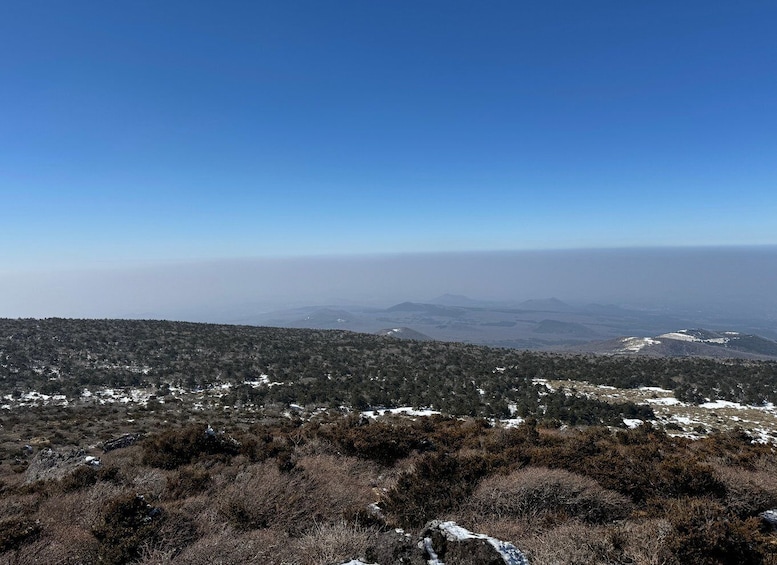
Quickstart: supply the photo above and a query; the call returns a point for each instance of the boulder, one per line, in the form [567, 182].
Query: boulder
[49, 464]
[447, 543]
[121, 442]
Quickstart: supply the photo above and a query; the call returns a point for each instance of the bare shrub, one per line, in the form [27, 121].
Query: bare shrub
[262, 497]
[535, 493]
[15, 505]
[15, 532]
[644, 542]
[344, 484]
[383, 441]
[81, 508]
[187, 481]
[229, 546]
[705, 534]
[151, 482]
[748, 492]
[572, 543]
[175, 531]
[127, 522]
[66, 545]
[333, 543]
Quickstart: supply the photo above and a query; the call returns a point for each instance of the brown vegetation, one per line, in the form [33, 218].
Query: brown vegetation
[303, 492]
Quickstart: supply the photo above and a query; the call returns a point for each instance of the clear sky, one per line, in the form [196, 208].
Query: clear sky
[147, 131]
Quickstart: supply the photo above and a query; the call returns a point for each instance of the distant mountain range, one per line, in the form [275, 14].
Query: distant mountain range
[544, 324]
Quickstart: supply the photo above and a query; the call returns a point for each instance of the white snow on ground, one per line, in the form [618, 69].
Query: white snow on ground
[510, 422]
[655, 389]
[632, 423]
[682, 336]
[721, 404]
[34, 398]
[543, 382]
[665, 401]
[635, 344]
[510, 554]
[683, 420]
[357, 562]
[679, 336]
[403, 410]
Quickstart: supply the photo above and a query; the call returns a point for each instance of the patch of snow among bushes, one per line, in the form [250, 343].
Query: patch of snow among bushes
[632, 423]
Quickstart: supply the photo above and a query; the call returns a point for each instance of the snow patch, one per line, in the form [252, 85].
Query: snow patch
[665, 401]
[636, 344]
[403, 410]
[509, 553]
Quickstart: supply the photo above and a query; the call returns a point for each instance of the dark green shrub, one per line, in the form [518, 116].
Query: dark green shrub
[173, 448]
[81, 477]
[704, 534]
[126, 523]
[435, 483]
[188, 481]
[15, 532]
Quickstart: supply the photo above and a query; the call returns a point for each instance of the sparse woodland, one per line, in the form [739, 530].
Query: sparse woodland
[249, 481]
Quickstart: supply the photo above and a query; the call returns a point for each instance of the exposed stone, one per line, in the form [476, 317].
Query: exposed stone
[446, 543]
[120, 442]
[51, 464]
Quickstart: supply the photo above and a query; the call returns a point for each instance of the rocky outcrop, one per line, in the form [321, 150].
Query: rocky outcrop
[442, 543]
[770, 517]
[51, 464]
[121, 442]
[447, 543]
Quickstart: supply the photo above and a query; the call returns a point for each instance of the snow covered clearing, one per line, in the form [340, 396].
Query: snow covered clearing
[636, 344]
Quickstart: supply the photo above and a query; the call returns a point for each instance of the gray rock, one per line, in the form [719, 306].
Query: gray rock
[50, 464]
[446, 543]
[120, 442]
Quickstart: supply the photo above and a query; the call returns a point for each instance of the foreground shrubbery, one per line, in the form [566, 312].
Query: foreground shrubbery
[301, 492]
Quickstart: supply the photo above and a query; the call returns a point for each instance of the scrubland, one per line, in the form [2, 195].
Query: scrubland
[336, 487]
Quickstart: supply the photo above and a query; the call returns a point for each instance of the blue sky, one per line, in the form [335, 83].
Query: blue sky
[146, 132]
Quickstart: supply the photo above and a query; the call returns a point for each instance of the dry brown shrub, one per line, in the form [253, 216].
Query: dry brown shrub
[229, 547]
[79, 508]
[748, 492]
[65, 545]
[263, 497]
[152, 483]
[127, 460]
[343, 483]
[326, 544]
[538, 493]
[704, 533]
[644, 542]
[185, 482]
[572, 543]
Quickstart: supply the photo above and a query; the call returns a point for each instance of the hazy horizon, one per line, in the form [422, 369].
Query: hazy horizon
[713, 279]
